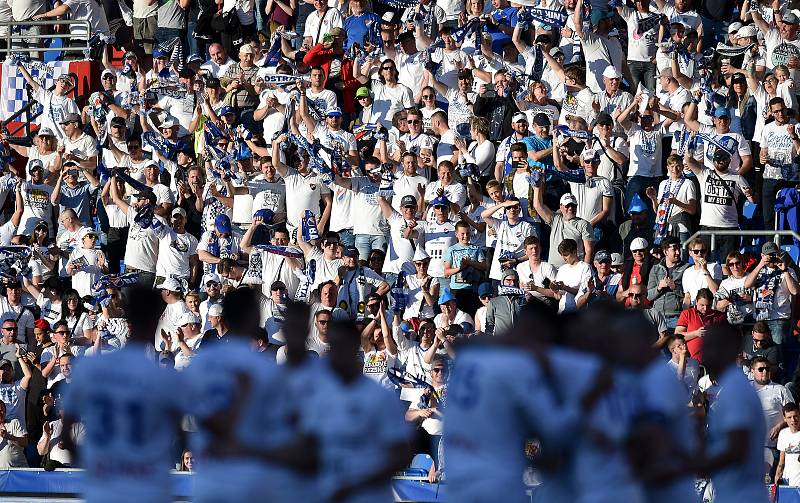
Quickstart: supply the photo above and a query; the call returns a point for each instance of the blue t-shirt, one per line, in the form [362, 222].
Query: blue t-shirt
[468, 277]
[356, 27]
[504, 17]
[536, 144]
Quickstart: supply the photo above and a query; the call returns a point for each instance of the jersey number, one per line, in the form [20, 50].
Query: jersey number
[112, 419]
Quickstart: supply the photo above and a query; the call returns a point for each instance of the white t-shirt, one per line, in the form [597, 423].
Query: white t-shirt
[546, 270]
[142, 249]
[590, 196]
[718, 208]
[779, 51]
[401, 250]
[323, 100]
[685, 193]
[83, 278]
[174, 251]
[317, 26]
[116, 397]
[645, 150]
[304, 193]
[781, 152]
[326, 269]
[509, 239]
[641, 46]
[709, 150]
[789, 443]
[577, 276]
[439, 237]
[694, 279]
[773, 397]
[387, 101]
[36, 206]
[365, 207]
[600, 53]
[55, 109]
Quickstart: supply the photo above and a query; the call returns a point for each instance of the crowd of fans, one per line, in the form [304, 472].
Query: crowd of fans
[423, 170]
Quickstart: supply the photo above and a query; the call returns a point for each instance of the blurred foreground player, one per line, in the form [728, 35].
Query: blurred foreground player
[131, 413]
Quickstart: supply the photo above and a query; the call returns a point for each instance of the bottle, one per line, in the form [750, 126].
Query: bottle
[309, 226]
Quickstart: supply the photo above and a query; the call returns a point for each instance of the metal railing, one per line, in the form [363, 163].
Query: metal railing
[17, 42]
[742, 233]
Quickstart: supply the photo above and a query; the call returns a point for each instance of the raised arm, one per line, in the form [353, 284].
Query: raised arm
[538, 204]
[118, 200]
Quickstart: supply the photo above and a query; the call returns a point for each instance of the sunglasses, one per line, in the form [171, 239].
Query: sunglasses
[9, 329]
[387, 68]
[61, 332]
[323, 322]
[437, 370]
[737, 264]
[637, 251]
[762, 369]
[415, 121]
[699, 251]
[427, 97]
[134, 147]
[635, 295]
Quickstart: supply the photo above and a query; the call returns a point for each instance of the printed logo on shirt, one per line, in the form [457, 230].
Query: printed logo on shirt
[717, 193]
[783, 53]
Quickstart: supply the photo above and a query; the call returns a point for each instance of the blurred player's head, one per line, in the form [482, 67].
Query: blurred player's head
[344, 340]
[240, 309]
[295, 330]
[720, 348]
[144, 310]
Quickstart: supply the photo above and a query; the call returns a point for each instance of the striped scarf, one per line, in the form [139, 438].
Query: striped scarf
[664, 210]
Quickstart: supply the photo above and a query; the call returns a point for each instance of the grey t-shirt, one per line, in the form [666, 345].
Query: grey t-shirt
[560, 229]
[170, 15]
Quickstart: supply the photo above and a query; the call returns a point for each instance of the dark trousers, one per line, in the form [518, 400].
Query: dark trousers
[644, 72]
[115, 249]
[467, 299]
[723, 245]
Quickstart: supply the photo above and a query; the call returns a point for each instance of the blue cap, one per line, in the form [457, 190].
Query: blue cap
[602, 256]
[599, 15]
[722, 112]
[637, 205]
[405, 327]
[485, 289]
[446, 296]
[158, 53]
[266, 214]
[223, 224]
[440, 201]
[467, 327]
[227, 109]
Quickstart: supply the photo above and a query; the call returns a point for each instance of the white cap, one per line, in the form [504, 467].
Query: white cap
[45, 131]
[590, 153]
[171, 284]
[747, 31]
[211, 276]
[167, 123]
[215, 310]
[616, 259]
[388, 17]
[639, 244]
[611, 72]
[734, 27]
[187, 318]
[85, 231]
[107, 72]
[568, 199]
[179, 211]
[519, 116]
[420, 254]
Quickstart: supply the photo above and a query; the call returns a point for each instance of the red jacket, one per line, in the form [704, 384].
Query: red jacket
[319, 56]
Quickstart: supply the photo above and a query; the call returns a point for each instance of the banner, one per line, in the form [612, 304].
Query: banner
[13, 94]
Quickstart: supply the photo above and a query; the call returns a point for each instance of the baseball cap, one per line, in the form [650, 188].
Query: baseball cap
[35, 164]
[734, 27]
[446, 296]
[567, 199]
[611, 72]
[167, 124]
[721, 155]
[616, 259]
[86, 231]
[194, 58]
[215, 310]
[158, 53]
[277, 285]
[485, 290]
[107, 72]
[556, 50]
[770, 248]
[187, 318]
[789, 18]
[5, 362]
[149, 195]
[336, 32]
[227, 109]
[333, 112]
[590, 154]
[541, 119]
[599, 15]
[747, 31]
[388, 18]
[130, 55]
[465, 73]
[407, 201]
[519, 116]
[118, 121]
[171, 284]
[211, 276]
[362, 92]
[510, 272]
[247, 49]
[223, 224]
[70, 118]
[602, 256]
[639, 244]
[738, 77]
[45, 131]
[179, 211]
[350, 251]
[605, 119]
[440, 201]
[722, 112]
